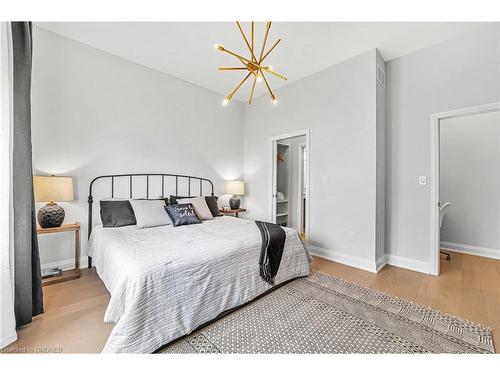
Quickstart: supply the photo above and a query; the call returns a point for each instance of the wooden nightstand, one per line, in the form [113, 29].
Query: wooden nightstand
[69, 274]
[233, 212]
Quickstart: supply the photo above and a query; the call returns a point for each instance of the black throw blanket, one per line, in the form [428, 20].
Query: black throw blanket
[273, 242]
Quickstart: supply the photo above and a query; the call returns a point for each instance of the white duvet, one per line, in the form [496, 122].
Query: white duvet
[165, 282]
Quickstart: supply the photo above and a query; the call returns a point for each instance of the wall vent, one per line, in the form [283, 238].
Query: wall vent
[380, 75]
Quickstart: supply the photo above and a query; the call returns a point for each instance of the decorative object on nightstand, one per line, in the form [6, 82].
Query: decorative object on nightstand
[51, 189]
[235, 188]
[229, 211]
[56, 275]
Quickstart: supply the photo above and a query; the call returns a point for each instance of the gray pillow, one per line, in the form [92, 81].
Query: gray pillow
[116, 213]
[212, 205]
[173, 199]
[200, 207]
[149, 213]
[182, 214]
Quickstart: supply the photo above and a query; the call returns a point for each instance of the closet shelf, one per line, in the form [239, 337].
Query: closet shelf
[282, 201]
[282, 214]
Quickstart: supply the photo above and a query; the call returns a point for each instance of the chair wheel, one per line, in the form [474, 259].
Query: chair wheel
[448, 256]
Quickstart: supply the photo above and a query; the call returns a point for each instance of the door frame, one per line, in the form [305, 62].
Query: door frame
[436, 118]
[300, 164]
[271, 176]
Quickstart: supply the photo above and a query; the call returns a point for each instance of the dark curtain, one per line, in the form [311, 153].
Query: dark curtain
[28, 300]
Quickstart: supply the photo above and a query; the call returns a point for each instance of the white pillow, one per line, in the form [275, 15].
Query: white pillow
[200, 207]
[150, 213]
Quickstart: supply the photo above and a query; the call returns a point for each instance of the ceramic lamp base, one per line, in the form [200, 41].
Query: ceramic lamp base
[234, 202]
[50, 216]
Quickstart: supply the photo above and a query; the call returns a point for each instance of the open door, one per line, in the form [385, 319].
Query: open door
[274, 180]
[455, 116]
[302, 188]
[289, 181]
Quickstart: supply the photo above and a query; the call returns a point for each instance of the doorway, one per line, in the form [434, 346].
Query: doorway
[439, 207]
[289, 181]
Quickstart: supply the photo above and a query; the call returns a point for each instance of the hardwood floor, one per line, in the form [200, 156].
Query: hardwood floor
[469, 287]
[73, 318]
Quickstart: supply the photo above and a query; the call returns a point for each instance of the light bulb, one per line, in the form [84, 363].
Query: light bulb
[270, 67]
[225, 102]
[275, 101]
[216, 46]
[259, 79]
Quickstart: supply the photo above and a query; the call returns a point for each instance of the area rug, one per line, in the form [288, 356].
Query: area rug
[324, 314]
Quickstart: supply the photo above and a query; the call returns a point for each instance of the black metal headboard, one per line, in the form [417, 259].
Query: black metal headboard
[131, 176]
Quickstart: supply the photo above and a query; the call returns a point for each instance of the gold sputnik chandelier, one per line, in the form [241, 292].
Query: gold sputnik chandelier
[255, 66]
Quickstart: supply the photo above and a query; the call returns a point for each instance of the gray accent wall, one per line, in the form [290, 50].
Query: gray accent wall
[459, 73]
[95, 113]
[338, 105]
[470, 180]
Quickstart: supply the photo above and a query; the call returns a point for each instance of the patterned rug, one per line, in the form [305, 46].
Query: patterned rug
[324, 314]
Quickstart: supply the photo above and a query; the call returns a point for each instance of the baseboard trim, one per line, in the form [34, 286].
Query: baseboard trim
[8, 340]
[411, 264]
[344, 258]
[471, 249]
[65, 264]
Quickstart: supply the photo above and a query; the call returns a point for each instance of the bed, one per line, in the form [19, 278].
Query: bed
[166, 281]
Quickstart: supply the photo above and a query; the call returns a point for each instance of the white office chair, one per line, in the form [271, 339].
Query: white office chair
[442, 211]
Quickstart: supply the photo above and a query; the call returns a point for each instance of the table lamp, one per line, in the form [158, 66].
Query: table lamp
[51, 189]
[235, 188]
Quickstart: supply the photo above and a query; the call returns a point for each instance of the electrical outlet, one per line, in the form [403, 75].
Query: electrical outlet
[324, 179]
[352, 236]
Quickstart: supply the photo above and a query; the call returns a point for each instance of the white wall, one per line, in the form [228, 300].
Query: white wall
[461, 72]
[470, 180]
[338, 105]
[94, 113]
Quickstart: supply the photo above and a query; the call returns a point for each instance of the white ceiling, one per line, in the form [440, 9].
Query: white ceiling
[185, 49]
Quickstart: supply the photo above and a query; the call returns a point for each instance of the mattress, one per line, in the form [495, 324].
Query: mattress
[167, 281]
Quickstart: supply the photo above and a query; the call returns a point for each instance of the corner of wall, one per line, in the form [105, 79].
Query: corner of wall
[380, 88]
[346, 259]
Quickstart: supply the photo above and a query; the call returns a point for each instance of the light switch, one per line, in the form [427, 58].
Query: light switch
[422, 180]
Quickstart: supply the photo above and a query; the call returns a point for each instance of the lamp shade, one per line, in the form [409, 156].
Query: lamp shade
[235, 187]
[53, 188]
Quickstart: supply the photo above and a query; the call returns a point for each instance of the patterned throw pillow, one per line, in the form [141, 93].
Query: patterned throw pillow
[182, 214]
